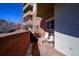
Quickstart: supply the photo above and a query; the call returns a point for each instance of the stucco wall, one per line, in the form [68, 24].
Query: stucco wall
[67, 28]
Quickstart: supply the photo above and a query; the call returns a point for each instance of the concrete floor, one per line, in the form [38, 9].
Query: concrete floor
[45, 50]
[49, 51]
[29, 53]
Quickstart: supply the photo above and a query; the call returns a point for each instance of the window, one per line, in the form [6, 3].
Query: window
[50, 26]
[48, 23]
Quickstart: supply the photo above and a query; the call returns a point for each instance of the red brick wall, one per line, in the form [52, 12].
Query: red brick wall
[15, 45]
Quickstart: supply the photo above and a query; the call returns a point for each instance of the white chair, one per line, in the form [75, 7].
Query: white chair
[51, 38]
[46, 35]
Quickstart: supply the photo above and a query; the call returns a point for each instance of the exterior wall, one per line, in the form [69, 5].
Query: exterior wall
[15, 45]
[67, 28]
[43, 24]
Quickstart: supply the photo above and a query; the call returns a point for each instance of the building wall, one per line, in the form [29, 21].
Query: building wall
[67, 28]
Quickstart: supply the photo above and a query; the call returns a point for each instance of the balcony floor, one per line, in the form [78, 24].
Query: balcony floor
[45, 50]
[49, 51]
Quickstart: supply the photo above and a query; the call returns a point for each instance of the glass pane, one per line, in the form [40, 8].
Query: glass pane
[52, 24]
[48, 25]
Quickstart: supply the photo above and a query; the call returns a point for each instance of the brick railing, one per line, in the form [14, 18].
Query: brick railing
[15, 44]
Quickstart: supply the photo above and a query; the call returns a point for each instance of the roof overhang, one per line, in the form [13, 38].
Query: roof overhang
[45, 10]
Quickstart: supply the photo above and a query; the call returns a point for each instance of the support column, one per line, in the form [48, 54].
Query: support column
[34, 15]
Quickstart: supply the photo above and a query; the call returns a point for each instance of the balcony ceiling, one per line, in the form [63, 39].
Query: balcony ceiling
[45, 10]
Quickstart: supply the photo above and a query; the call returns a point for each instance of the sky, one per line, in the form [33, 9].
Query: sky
[11, 12]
